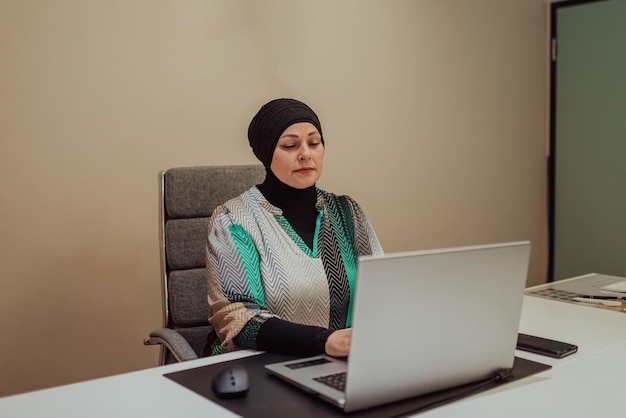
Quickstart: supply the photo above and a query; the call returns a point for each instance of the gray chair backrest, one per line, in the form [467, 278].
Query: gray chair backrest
[188, 197]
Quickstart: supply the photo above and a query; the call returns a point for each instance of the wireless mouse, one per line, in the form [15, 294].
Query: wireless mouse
[231, 382]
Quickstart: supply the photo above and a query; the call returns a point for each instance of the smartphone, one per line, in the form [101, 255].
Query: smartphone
[545, 346]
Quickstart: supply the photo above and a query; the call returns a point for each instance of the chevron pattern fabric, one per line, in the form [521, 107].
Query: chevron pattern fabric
[258, 267]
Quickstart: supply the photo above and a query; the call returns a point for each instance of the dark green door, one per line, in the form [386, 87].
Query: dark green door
[588, 139]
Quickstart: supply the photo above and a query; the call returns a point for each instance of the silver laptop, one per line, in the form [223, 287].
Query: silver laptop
[423, 321]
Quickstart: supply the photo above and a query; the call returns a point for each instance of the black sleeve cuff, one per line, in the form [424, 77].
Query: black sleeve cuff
[284, 337]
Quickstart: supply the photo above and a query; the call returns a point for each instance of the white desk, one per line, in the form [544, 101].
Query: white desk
[588, 383]
[145, 393]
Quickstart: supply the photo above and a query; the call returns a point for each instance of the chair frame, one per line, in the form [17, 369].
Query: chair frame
[164, 293]
[154, 340]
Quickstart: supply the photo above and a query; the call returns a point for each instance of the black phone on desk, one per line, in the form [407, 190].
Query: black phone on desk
[545, 346]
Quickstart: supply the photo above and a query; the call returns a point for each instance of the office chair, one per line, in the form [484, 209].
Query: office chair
[188, 196]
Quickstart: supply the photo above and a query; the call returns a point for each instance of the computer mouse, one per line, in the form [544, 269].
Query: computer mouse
[231, 382]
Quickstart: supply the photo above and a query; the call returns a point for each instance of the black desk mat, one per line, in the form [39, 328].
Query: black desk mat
[269, 396]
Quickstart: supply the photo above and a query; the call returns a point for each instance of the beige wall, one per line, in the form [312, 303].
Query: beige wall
[433, 113]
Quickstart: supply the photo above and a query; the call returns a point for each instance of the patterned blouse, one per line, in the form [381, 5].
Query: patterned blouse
[258, 267]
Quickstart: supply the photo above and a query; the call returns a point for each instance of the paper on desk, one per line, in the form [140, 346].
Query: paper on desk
[619, 287]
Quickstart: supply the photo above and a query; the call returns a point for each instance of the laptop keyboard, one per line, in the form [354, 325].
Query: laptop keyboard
[336, 380]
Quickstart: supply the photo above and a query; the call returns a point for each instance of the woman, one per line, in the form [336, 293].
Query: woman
[281, 257]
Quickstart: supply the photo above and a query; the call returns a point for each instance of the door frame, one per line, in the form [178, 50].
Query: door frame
[555, 6]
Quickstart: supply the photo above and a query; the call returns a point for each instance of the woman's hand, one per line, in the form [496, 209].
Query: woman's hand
[338, 343]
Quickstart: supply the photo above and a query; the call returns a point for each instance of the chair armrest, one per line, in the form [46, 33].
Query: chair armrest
[173, 341]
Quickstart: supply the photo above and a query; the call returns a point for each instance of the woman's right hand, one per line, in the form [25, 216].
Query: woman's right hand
[338, 343]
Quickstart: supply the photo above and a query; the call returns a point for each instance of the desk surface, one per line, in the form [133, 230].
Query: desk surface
[590, 381]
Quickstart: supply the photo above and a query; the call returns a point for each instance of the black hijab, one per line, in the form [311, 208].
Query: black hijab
[298, 205]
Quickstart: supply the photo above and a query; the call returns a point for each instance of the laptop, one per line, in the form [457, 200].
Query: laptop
[423, 321]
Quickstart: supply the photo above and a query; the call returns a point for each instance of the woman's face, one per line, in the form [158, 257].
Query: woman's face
[299, 156]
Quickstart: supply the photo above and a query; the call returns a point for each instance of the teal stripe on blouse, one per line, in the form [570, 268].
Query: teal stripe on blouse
[250, 260]
[297, 239]
[345, 238]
